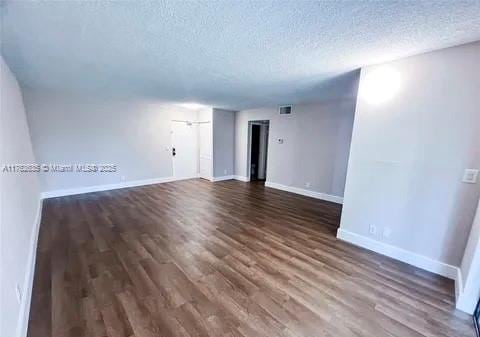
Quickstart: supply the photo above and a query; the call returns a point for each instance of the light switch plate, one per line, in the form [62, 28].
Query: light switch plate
[470, 176]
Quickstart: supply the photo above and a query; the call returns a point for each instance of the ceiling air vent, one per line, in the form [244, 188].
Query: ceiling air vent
[285, 109]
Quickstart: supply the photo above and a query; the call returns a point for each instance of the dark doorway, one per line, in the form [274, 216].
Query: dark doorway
[255, 152]
[258, 150]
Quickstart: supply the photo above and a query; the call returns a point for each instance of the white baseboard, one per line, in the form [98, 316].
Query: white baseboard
[241, 178]
[466, 297]
[222, 178]
[466, 302]
[307, 193]
[420, 261]
[108, 187]
[463, 305]
[24, 313]
[458, 284]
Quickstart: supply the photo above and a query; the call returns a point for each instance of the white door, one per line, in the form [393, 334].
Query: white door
[184, 150]
[205, 149]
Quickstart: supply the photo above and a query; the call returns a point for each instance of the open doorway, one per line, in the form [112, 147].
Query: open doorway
[258, 150]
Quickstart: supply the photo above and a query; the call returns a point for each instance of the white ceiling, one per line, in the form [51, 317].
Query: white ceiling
[228, 54]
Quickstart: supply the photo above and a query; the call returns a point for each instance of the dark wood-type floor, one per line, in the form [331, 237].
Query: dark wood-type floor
[193, 258]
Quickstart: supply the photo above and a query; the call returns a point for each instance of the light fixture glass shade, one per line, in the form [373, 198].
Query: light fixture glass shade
[192, 106]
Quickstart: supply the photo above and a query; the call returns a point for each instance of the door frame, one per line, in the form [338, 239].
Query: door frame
[211, 149]
[249, 144]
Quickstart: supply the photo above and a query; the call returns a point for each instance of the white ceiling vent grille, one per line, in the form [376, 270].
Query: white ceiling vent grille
[285, 109]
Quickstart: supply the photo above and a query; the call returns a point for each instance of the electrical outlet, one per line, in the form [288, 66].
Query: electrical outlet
[386, 232]
[18, 291]
[307, 185]
[372, 230]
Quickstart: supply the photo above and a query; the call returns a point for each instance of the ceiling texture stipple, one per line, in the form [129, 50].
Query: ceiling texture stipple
[223, 53]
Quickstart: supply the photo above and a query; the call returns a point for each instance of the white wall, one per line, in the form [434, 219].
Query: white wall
[205, 141]
[315, 148]
[408, 156]
[132, 133]
[223, 142]
[19, 208]
[469, 291]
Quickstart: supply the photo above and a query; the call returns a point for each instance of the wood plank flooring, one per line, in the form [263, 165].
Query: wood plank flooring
[194, 258]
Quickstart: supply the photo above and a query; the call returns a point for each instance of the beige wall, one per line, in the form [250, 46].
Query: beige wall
[133, 134]
[469, 290]
[316, 142]
[408, 156]
[223, 142]
[19, 209]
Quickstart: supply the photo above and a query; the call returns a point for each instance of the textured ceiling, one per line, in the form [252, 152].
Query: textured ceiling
[229, 54]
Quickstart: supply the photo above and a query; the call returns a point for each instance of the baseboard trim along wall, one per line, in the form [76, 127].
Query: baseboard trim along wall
[417, 260]
[466, 298]
[241, 178]
[126, 184]
[222, 178]
[22, 325]
[459, 286]
[464, 301]
[307, 193]
[108, 187]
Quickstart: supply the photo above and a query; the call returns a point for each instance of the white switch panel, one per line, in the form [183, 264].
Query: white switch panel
[470, 176]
